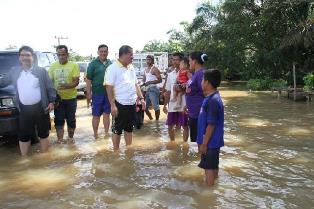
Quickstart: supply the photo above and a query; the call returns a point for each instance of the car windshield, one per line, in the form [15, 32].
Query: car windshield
[7, 61]
[51, 57]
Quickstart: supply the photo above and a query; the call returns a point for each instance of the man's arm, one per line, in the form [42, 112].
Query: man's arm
[75, 82]
[51, 91]
[140, 95]
[206, 138]
[144, 78]
[167, 95]
[110, 95]
[88, 89]
[156, 72]
[88, 81]
[75, 79]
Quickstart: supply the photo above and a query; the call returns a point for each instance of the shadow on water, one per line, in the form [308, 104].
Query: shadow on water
[266, 163]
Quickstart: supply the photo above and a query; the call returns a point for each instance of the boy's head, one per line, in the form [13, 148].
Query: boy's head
[211, 80]
[184, 64]
[176, 59]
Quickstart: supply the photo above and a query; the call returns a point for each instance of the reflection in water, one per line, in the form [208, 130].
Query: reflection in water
[267, 163]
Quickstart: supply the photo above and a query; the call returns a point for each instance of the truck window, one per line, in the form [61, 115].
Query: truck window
[43, 60]
[51, 57]
[7, 61]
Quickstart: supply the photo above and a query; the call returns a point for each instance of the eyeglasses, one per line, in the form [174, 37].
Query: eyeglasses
[26, 55]
[62, 55]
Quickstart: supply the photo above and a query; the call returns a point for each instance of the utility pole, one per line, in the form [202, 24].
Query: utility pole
[60, 38]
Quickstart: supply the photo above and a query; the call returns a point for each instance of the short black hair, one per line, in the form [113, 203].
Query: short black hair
[151, 57]
[63, 47]
[125, 49]
[102, 46]
[26, 48]
[185, 60]
[213, 76]
[200, 57]
[178, 54]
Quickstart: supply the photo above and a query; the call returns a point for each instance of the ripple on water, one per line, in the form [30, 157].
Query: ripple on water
[41, 181]
[168, 200]
[189, 172]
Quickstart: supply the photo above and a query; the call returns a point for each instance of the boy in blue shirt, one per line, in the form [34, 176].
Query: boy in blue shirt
[210, 126]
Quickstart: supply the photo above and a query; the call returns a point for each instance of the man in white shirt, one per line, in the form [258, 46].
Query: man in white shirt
[176, 115]
[36, 96]
[122, 90]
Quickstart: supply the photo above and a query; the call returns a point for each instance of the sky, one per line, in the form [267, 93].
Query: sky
[88, 23]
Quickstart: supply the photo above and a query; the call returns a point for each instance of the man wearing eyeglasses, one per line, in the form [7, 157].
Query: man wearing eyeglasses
[65, 77]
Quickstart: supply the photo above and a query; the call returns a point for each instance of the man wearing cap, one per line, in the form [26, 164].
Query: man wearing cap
[151, 79]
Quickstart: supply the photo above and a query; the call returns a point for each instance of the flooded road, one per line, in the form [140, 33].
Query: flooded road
[267, 163]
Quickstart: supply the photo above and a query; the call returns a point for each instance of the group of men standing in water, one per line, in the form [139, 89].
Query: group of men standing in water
[191, 99]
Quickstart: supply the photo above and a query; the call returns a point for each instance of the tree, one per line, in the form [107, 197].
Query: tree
[251, 38]
[155, 46]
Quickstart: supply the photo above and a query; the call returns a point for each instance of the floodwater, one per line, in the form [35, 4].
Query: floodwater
[267, 163]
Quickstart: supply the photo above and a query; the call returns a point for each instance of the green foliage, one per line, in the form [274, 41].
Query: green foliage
[265, 84]
[252, 38]
[280, 83]
[75, 57]
[156, 46]
[309, 82]
[159, 46]
[254, 84]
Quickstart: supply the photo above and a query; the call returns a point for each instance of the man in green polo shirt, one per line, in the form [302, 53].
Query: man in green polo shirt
[95, 90]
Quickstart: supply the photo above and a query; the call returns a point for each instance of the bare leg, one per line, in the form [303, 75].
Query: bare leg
[44, 144]
[210, 177]
[171, 133]
[157, 114]
[95, 123]
[70, 135]
[149, 114]
[24, 147]
[216, 174]
[87, 103]
[60, 133]
[185, 133]
[106, 121]
[128, 138]
[116, 141]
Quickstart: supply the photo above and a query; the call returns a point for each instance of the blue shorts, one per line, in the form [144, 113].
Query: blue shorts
[152, 97]
[100, 105]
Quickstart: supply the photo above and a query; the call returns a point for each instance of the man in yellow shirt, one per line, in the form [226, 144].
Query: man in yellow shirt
[65, 77]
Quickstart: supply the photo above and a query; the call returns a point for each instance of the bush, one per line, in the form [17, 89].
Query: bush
[254, 84]
[280, 83]
[265, 84]
[309, 82]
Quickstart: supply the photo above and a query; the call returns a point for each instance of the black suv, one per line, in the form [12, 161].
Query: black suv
[8, 105]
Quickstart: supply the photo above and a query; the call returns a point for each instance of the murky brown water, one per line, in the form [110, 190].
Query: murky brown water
[267, 163]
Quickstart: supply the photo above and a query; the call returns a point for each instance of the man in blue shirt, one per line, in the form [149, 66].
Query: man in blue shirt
[210, 126]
